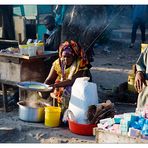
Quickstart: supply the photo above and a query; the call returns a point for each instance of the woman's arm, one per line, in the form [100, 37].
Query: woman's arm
[69, 82]
[141, 62]
[51, 77]
[140, 74]
[50, 80]
[139, 81]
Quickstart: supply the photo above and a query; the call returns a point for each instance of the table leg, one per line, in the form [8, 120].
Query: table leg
[5, 100]
[20, 94]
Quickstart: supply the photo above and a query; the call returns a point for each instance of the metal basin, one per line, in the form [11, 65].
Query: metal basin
[31, 114]
[34, 86]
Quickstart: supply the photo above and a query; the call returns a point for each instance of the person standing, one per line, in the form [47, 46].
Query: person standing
[53, 23]
[139, 20]
[52, 37]
[141, 80]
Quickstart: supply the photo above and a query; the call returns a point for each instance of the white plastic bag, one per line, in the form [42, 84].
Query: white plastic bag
[68, 115]
[83, 94]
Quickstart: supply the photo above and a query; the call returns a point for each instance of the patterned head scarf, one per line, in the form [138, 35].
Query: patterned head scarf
[74, 49]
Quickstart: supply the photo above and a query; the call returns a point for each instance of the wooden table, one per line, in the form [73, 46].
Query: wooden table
[16, 68]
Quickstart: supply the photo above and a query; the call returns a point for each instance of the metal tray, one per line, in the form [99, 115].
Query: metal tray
[34, 86]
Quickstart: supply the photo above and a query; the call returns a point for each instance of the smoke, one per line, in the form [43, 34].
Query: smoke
[83, 23]
[32, 99]
[71, 15]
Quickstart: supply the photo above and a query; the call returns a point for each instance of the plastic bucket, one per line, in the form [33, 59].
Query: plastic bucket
[52, 116]
[131, 81]
[143, 46]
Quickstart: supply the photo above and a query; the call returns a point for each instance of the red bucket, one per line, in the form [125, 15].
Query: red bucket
[81, 129]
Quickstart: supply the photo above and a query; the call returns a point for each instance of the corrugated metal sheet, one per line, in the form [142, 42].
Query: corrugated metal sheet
[25, 10]
[18, 10]
[30, 10]
[41, 29]
[44, 9]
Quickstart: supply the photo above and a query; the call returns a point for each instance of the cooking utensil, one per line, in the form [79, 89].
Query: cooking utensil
[34, 86]
[31, 114]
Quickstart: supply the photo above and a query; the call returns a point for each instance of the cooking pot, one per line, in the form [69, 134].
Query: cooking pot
[31, 114]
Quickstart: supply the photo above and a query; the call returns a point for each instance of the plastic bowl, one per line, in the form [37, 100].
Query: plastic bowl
[81, 129]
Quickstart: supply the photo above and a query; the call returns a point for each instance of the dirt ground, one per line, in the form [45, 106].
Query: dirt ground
[111, 65]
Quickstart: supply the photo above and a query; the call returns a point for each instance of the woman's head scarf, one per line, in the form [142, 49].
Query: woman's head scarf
[74, 49]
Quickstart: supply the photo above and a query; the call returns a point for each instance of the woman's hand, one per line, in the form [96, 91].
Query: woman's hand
[45, 95]
[51, 87]
[139, 81]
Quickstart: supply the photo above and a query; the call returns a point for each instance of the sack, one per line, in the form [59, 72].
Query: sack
[83, 94]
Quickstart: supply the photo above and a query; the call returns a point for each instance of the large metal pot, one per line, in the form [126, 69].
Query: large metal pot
[31, 114]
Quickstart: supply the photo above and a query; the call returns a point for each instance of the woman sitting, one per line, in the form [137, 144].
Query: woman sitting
[71, 64]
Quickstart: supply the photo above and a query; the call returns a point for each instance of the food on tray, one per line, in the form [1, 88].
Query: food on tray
[35, 86]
